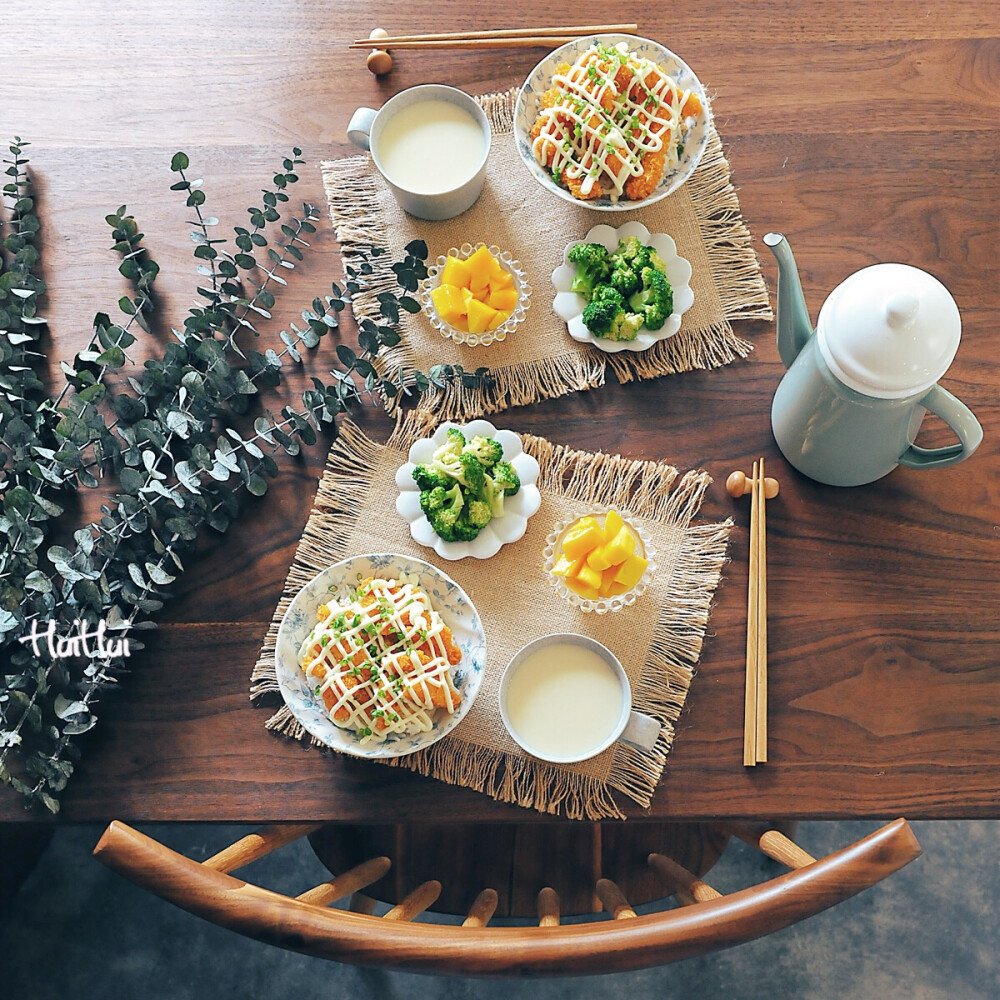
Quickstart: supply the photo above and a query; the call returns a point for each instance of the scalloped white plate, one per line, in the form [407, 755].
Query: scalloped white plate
[501, 530]
[570, 306]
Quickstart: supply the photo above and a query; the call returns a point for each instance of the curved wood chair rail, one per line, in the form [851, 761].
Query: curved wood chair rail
[616, 945]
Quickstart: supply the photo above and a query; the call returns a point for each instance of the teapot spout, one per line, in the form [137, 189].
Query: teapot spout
[793, 323]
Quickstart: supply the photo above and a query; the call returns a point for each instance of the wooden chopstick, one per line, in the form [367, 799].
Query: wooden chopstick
[575, 31]
[761, 728]
[538, 41]
[750, 704]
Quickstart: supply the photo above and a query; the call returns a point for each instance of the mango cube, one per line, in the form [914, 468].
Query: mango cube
[481, 265]
[503, 299]
[589, 577]
[590, 593]
[630, 572]
[617, 589]
[450, 304]
[501, 279]
[580, 542]
[480, 316]
[599, 559]
[620, 547]
[456, 272]
[608, 581]
[612, 524]
[498, 320]
[566, 567]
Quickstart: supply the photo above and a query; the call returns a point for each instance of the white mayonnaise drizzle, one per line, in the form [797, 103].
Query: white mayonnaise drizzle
[367, 651]
[579, 138]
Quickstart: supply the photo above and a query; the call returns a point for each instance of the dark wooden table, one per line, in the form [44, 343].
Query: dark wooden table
[865, 133]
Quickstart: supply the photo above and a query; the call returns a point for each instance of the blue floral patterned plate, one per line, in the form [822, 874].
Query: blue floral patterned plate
[447, 598]
[540, 80]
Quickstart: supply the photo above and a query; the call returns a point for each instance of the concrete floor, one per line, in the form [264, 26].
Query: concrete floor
[931, 932]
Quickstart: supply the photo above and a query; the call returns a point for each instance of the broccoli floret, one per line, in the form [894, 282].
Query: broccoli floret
[428, 477]
[493, 495]
[478, 513]
[593, 266]
[506, 478]
[465, 530]
[487, 450]
[472, 472]
[626, 326]
[631, 253]
[606, 292]
[443, 523]
[655, 260]
[625, 280]
[452, 445]
[435, 499]
[655, 302]
[444, 519]
[602, 311]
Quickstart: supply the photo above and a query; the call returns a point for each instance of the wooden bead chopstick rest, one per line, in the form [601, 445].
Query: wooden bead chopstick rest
[761, 489]
[379, 61]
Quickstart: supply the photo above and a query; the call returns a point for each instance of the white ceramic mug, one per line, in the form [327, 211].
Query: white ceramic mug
[634, 728]
[365, 130]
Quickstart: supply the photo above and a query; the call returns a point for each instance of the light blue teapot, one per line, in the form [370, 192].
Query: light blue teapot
[849, 407]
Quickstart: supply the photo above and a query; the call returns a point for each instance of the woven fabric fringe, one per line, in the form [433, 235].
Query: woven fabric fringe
[351, 193]
[646, 489]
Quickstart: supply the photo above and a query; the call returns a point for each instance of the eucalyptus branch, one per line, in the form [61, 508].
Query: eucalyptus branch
[175, 443]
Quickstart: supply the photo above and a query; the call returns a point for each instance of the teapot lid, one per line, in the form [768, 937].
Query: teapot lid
[889, 331]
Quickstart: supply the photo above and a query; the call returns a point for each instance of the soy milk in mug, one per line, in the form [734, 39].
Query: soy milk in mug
[430, 143]
[431, 147]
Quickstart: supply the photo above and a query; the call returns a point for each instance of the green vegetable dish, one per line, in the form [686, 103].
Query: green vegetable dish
[625, 290]
[464, 485]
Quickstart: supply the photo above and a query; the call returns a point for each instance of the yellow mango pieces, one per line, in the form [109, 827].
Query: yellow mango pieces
[582, 540]
[600, 559]
[480, 316]
[630, 572]
[476, 294]
[449, 303]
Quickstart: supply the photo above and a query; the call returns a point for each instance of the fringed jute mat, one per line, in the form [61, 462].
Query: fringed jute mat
[658, 639]
[539, 359]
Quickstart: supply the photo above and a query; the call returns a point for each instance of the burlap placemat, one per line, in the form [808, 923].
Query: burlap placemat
[540, 360]
[658, 639]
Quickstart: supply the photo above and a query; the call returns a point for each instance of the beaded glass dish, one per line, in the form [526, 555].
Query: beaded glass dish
[602, 605]
[487, 337]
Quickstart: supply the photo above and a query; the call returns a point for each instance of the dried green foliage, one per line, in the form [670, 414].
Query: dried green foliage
[176, 435]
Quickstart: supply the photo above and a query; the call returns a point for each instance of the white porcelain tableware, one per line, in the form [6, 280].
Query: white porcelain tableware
[501, 530]
[540, 80]
[448, 599]
[569, 305]
[487, 337]
[631, 727]
[368, 125]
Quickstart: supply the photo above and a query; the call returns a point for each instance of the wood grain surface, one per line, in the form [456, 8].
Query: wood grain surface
[864, 132]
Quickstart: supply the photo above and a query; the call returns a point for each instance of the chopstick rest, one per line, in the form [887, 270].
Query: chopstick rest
[761, 488]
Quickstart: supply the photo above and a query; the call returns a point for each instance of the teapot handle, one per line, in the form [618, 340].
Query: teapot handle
[959, 418]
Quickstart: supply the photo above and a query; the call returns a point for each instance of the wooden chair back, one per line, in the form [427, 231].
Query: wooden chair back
[618, 941]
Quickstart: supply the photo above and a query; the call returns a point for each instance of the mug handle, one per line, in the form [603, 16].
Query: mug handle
[360, 126]
[641, 731]
[959, 418]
